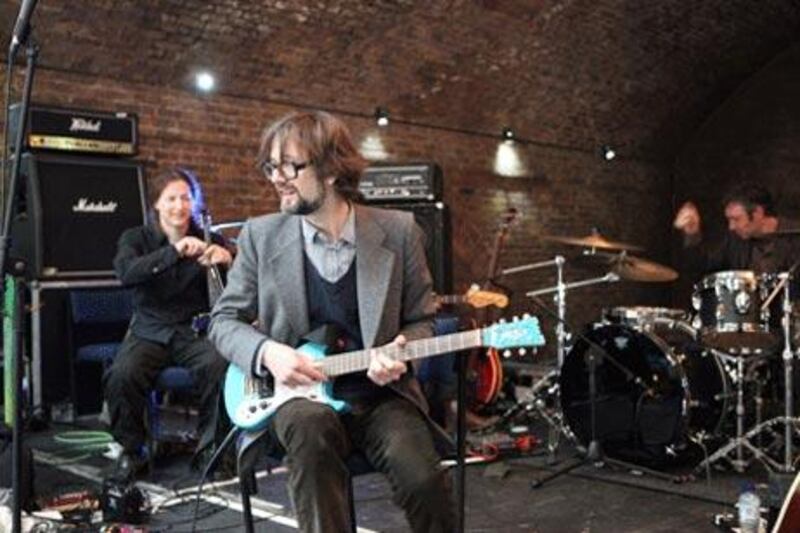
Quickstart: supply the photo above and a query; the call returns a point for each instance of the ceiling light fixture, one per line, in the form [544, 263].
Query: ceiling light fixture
[205, 81]
[607, 153]
[381, 116]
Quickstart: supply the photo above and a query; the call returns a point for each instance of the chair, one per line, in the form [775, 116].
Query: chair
[172, 379]
[357, 463]
[99, 319]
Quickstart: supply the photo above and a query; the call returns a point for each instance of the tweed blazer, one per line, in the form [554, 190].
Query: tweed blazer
[265, 297]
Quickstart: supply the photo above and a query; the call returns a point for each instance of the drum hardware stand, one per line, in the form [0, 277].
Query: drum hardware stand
[594, 451]
[788, 420]
[555, 423]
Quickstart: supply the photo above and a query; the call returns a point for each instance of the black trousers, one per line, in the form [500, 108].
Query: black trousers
[134, 372]
[394, 437]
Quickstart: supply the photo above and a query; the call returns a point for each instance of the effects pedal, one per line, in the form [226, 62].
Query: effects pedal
[122, 501]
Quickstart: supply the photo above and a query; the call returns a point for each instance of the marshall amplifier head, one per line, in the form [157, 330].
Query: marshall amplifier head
[412, 182]
[70, 213]
[74, 130]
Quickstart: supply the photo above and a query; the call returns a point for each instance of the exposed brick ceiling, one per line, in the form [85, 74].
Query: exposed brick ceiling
[639, 74]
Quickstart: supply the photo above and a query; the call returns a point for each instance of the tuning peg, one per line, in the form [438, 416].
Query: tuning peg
[502, 321]
[526, 315]
[522, 351]
[515, 319]
[507, 354]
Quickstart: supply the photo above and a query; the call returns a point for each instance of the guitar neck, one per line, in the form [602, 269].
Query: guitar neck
[347, 363]
[451, 299]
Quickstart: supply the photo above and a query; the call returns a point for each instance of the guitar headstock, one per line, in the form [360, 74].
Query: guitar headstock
[520, 332]
[509, 217]
[478, 298]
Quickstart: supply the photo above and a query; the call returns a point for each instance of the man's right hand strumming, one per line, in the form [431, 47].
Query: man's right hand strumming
[288, 366]
[688, 219]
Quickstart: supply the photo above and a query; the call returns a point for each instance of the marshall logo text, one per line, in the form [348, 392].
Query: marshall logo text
[85, 206]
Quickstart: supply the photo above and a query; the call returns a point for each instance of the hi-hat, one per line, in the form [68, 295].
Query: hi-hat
[637, 269]
[595, 241]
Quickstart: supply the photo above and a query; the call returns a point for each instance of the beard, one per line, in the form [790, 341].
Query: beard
[305, 205]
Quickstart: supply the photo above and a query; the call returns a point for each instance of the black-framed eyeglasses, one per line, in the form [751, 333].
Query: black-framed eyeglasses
[288, 169]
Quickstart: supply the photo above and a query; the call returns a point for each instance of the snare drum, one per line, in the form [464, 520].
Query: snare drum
[729, 314]
[643, 317]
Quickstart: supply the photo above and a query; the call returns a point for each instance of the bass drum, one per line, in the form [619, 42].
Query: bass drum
[650, 395]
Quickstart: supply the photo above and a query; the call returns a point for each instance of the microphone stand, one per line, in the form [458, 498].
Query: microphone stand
[594, 450]
[15, 283]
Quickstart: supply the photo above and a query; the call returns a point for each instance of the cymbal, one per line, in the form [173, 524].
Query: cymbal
[595, 240]
[637, 269]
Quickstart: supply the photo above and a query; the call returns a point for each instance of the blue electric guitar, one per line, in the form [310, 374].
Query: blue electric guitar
[250, 408]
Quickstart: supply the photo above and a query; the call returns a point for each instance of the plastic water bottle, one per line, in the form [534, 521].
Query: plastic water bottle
[749, 509]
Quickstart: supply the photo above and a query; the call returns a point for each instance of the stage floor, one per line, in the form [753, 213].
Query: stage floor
[499, 496]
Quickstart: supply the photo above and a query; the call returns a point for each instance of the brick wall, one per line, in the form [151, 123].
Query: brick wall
[570, 191]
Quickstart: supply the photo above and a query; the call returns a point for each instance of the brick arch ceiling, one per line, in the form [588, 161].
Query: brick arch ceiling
[641, 75]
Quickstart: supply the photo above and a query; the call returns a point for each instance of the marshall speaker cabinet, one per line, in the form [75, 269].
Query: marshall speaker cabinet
[416, 187]
[70, 213]
[434, 219]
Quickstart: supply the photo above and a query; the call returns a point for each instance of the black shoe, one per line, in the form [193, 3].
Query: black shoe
[130, 466]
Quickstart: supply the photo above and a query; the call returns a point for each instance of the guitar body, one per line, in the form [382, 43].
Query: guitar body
[486, 377]
[789, 517]
[250, 410]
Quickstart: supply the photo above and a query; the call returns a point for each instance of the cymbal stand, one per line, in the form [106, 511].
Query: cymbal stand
[555, 423]
[560, 299]
[789, 421]
[549, 381]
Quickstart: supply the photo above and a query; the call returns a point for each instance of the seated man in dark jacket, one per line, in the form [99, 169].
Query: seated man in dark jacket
[166, 264]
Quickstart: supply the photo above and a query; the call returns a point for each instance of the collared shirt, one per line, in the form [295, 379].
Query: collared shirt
[332, 259]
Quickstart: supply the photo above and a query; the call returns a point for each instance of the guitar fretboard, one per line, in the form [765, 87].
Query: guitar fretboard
[451, 299]
[346, 363]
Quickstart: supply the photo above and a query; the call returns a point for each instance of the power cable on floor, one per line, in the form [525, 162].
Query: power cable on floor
[82, 444]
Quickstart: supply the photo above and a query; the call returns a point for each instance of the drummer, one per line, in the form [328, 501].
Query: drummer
[756, 238]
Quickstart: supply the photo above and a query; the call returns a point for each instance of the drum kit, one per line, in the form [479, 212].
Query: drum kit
[654, 385]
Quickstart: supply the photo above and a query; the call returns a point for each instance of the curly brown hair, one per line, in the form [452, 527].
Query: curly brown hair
[329, 145]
